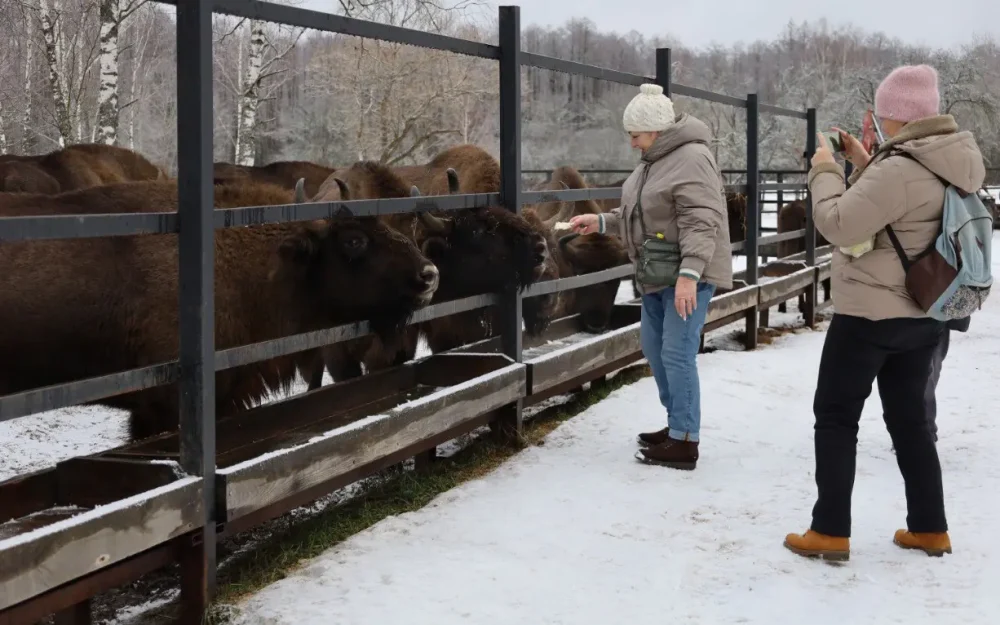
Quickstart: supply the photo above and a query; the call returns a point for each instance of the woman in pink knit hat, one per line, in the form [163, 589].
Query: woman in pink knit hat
[878, 332]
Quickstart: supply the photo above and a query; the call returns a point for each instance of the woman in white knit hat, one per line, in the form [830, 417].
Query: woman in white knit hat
[673, 222]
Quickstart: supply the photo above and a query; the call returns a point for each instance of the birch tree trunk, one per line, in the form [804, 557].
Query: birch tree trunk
[246, 138]
[107, 96]
[27, 135]
[63, 122]
[3, 135]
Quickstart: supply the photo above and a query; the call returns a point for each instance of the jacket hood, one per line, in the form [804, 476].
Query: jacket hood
[685, 129]
[939, 146]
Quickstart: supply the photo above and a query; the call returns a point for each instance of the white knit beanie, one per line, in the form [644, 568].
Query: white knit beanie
[650, 111]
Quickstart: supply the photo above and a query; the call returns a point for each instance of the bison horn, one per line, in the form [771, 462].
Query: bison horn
[300, 191]
[345, 193]
[414, 191]
[565, 186]
[564, 240]
[453, 185]
[432, 222]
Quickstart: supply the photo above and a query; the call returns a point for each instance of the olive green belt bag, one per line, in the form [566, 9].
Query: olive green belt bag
[659, 262]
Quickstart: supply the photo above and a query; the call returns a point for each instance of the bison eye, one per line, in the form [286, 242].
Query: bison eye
[354, 243]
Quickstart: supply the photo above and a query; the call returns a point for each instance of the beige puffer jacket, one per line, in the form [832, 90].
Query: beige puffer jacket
[891, 190]
[684, 199]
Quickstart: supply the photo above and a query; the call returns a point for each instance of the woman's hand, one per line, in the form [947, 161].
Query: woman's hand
[685, 296]
[584, 224]
[823, 153]
[854, 150]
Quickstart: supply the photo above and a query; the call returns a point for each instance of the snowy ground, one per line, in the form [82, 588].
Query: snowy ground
[576, 531]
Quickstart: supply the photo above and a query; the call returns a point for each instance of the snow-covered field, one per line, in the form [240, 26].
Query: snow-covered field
[576, 531]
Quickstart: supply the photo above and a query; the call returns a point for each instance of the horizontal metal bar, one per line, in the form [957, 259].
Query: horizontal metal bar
[575, 282]
[572, 195]
[738, 246]
[581, 69]
[735, 188]
[582, 171]
[256, 215]
[701, 94]
[266, 350]
[40, 227]
[770, 172]
[783, 112]
[319, 20]
[122, 224]
[83, 391]
[791, 235]
[783, 186]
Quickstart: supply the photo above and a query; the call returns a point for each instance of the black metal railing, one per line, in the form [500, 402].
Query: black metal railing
[195, 222]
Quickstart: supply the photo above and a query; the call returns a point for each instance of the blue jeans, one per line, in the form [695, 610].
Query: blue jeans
[670, 344]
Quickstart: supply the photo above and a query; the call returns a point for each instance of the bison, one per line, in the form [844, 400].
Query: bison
[78, 308]
[791, 217]
[485, 250]
[564, 178]
[75, 167]
[284, 174]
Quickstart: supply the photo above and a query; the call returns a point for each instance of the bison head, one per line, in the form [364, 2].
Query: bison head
[481, 250]
[590, 253]
[358, 268]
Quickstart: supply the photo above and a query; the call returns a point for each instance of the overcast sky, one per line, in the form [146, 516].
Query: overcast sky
[698, 23]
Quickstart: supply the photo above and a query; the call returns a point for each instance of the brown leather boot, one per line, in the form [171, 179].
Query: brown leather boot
[648, 439]
[933, 544]
[815, 545]
[673, 453]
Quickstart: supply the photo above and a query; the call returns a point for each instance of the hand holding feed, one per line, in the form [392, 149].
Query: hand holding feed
[584, 224]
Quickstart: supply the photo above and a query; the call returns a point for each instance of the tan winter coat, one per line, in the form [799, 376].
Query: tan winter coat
[896, 191]
[683, 198]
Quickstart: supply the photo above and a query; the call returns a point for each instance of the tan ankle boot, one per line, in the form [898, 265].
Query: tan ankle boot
[933, 544]
[815, 545]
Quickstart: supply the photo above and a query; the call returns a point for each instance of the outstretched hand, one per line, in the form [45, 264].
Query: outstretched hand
[584, 224]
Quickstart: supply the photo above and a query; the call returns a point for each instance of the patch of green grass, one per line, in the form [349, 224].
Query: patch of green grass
[388, 495]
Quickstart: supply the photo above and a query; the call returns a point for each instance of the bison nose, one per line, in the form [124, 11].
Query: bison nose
[430, 276]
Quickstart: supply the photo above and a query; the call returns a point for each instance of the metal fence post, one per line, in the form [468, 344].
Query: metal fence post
[809, 314]
[510, 422]
[753, 210]
[663, 69]
[196, 259]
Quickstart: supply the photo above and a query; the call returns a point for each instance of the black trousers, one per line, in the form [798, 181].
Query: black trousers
[897, 353]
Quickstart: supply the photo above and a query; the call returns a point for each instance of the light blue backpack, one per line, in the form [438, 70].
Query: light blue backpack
[952, 278]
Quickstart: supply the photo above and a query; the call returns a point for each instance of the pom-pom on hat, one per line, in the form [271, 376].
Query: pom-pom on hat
[908, 93]
[649, 111]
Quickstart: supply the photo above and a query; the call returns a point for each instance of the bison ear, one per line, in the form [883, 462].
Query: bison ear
[303, 246]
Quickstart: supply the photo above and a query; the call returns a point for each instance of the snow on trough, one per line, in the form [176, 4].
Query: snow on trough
[576, 531]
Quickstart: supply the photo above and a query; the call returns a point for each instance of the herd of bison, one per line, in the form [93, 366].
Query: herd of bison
[78, 308]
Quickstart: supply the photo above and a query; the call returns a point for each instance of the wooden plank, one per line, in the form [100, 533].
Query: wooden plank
[781, 289]
[26, 494]
[449, 369]
[95, 481]
[732, 302]
[567, 363]
[825, 270]
[33, 563]
[262, 481]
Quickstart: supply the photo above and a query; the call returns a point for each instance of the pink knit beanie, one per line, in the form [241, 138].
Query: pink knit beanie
[908, 93]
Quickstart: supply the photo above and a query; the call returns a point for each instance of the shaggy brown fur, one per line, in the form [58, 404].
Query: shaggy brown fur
[563, 178]
[476, 251]
[280, 173]
[76, 308]
[574, 255]
[75, 167]
[791, 217]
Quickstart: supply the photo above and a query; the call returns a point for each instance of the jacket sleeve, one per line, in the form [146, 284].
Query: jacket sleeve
[700, 208]
[610, 221]
[846, 217]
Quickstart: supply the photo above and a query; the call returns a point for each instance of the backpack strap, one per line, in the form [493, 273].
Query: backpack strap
[899, 248]
[888, 228]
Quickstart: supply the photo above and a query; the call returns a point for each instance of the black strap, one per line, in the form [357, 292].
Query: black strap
[638, 201]
[907, 263]
[899, 248]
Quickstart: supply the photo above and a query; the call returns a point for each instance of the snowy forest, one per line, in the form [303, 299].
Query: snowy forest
[104, 71]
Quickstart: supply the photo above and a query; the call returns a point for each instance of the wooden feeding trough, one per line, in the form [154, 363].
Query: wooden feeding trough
[90, 512]
[85, 514]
